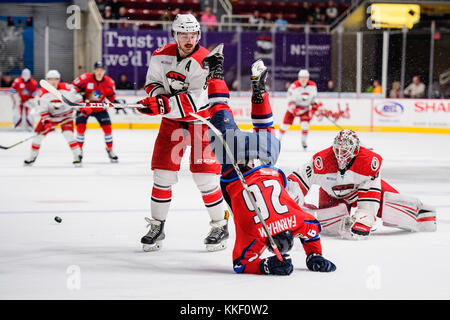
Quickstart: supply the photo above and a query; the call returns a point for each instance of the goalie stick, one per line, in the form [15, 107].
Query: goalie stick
[44, 84]
[244, 184]
[43, 132]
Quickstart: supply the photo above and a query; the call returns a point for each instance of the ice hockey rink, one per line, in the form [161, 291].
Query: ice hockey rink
[95, 252]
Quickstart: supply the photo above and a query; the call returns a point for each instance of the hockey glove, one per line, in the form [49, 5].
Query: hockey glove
[274, 266]
[48, 126]
[315, 262]
[155, 105]
[86, 111]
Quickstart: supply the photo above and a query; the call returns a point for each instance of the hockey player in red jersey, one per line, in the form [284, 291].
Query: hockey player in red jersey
[301, 97]
[24, 90]
[256, 153]
[348, 175]
[176, 82]
[96, 87]
[54, 112]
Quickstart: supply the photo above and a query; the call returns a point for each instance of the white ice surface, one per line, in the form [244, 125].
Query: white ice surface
[95, 253]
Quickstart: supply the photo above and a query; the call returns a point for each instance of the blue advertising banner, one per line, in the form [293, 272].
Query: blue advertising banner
[128, 51]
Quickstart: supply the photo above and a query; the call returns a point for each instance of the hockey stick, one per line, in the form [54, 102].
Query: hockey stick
[331, 120]
[244, 184]
[44, 84]
[334, 122]
[43, 132]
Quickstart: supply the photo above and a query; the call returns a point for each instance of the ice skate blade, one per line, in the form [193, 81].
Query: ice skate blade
[152, 247]
[114, 160]
[216, 247]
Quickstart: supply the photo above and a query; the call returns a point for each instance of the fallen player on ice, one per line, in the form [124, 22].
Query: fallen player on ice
[256, 153]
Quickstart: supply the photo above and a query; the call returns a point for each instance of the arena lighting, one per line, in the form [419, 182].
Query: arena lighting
[389, 15]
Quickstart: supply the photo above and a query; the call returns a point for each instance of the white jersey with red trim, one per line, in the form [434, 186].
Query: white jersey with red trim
[183, 79]
[361, 182]
[301, 97]
[53, 109]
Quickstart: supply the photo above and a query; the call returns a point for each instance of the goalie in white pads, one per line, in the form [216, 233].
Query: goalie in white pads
[54, 112]
[349, 176]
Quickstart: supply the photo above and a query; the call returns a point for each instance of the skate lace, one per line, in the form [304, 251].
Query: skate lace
[215, 232]
[153, 228]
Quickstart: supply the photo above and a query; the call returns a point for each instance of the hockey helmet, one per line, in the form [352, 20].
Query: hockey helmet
[284, 241]
[303, 73]
[185, 23]
[345, 147]
[99, 64]
[26, 74]
[53, 74]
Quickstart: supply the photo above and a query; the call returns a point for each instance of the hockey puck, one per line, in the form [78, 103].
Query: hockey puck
[58, 219]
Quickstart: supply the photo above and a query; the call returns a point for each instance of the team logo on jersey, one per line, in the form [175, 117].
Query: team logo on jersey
[90, 86]
[176, 82]
[95, 95]
[375, 164]
[304, 96]
[343, 190]
[318, 163]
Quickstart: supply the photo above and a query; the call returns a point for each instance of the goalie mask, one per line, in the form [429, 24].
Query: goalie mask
[345, 147]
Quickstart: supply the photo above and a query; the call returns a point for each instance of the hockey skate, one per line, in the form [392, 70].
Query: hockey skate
[214, 62]
[258, 79]
[152, 241]
[29, 161]
[77, 161]
[304, 146]
[112, 156]
[217, 238]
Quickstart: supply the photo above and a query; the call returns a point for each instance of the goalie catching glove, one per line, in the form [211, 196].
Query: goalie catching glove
[155, 105]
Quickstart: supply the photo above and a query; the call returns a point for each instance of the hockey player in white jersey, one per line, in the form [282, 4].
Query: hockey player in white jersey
[176, 81]
[348, 175]
[54, 112]
[301, 98]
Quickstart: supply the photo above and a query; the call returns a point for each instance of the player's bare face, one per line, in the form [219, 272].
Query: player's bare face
[99, 73]
[53, 81]
[303, 81]
[186, 42]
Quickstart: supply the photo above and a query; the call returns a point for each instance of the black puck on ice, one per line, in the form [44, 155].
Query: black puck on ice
[58, 219]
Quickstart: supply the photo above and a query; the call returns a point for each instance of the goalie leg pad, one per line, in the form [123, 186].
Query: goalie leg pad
[331, 219]
[407, 212]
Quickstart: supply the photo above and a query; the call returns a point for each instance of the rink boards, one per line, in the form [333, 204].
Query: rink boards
[360, 114]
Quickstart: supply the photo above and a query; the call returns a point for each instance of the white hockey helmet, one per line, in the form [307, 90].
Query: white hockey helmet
[53, 74]
[185, 23]
[26, 74]
[345, 147]
[303, 73]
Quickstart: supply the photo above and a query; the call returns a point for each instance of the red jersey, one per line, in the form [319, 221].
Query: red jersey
[95, 91]
[280, 212]
[25, 89]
